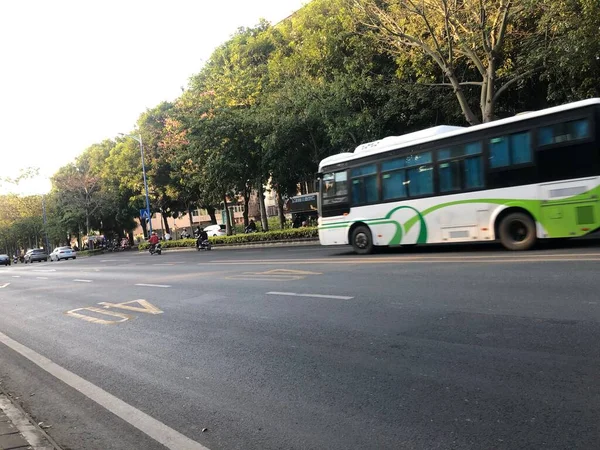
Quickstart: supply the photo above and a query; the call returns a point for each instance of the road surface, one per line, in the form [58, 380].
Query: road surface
[309, 348]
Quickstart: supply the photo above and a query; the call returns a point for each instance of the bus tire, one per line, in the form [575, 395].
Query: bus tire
[517, 232]
[362, 240]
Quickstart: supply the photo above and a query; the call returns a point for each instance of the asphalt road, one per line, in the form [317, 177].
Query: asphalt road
[313, 347]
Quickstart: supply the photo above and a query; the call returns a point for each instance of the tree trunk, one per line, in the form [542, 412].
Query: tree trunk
[144, 224]
[213, 216]
[165, 221]
[488, 110]
[247, 194]
[263, 210]
[280, 211]
[226, 212]
[189, 208]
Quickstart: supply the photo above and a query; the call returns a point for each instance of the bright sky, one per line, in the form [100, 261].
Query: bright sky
[76, 72]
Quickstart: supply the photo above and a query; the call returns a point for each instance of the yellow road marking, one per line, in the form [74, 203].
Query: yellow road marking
[144, 306]
[121, 316]
[289, 272]
[270, 278]
[405, 261]
[359, 259]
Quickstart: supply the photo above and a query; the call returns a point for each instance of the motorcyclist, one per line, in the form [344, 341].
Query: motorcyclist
[251, 228]
[153, 240]
[202, 236]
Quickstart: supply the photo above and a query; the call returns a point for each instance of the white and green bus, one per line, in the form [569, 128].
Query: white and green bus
[516, 180]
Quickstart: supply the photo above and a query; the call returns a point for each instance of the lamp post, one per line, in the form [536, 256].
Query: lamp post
[138, 138]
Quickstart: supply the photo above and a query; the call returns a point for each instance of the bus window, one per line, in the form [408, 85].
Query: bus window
[510, 150]
[564, 132]
[328, 185]
[364, 185]
[449, 176]
[520, 148]
[341, 183]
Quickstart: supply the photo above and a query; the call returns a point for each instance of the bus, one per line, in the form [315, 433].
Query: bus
[516, 180]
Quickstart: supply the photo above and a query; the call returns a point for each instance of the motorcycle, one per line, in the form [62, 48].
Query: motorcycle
[204, 245]
[155, 249]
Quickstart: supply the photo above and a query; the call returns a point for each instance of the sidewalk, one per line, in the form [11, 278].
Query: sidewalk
[17, 431]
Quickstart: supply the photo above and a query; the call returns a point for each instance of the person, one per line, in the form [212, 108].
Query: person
[251, 228]
[202, 236]
[297, 221]
[153, 239]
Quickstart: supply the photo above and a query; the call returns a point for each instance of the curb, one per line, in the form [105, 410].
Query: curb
[19, 431]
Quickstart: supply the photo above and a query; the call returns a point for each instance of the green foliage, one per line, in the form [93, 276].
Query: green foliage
[272, 101]
[269, 236]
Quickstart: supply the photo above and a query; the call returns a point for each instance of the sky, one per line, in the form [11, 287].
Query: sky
[73, 73]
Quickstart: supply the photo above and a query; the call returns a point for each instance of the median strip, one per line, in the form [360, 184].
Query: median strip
[294, 294]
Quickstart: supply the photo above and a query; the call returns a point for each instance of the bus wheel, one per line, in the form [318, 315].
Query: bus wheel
[517, 232]
[362, 241]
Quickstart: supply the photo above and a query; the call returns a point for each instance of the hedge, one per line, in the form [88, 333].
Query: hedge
[269, 236]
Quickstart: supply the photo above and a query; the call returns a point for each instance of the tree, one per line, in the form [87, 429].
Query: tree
[491, 45]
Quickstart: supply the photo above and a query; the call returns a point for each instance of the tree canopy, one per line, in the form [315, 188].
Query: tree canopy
[274, 100]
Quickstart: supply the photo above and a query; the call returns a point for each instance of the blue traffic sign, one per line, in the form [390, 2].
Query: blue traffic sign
[144, 214]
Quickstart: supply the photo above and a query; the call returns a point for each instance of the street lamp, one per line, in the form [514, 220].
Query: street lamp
[139, 139]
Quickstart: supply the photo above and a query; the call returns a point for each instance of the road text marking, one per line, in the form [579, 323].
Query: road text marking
[121, 317]
[154, 285]
[158, 431]
[2, 286]
[294, 294]
[143, 306]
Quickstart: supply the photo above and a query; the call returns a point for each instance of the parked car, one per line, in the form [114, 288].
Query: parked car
[62, 253]
[216, 230]
[36, 254]
[5, 260]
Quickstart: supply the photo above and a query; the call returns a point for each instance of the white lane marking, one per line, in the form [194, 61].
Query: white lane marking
[294, 294]
[114, 260]
[42, 278]
[154, 285]
[16, 276]
[83, 281]
[164, 264]
[44, 270]
[2, 286]
[156, 430]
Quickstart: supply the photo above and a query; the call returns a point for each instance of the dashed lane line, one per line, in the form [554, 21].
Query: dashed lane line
[42, 278]
[154, 285]
[83, 281]
[294, 294]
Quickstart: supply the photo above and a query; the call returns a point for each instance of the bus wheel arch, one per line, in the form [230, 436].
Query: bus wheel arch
[515, 227]
[360, 237]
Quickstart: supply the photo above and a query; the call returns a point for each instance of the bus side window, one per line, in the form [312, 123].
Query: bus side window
[364, 185]
[328, 185]
[564, 132]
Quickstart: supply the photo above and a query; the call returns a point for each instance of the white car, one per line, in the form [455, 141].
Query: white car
[216, 230]
[62, 253]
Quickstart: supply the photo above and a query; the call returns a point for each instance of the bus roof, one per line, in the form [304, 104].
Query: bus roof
[443, 131]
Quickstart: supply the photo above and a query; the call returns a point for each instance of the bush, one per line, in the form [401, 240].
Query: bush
[270, 236]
